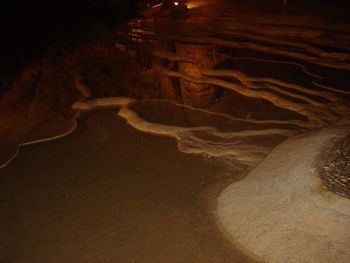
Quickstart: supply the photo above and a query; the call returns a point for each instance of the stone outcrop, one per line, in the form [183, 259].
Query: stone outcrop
[198, 95]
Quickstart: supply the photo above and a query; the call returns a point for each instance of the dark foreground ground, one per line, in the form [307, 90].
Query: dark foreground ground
[108, 193]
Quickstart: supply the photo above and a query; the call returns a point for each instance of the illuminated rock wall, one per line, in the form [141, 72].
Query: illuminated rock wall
[198, 95]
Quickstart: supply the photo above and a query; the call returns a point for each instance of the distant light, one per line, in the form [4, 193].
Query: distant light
[155, 6]
[195, 3]
[176, 3]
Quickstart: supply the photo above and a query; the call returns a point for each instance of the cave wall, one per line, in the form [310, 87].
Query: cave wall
[198, 95]
[28, 28]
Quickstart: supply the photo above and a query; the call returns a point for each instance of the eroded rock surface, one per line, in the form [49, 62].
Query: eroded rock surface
[334, 169]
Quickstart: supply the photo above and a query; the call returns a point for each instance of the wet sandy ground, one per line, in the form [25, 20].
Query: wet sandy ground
[108, 193]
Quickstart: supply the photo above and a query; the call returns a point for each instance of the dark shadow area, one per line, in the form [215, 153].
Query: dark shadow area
[27, 28]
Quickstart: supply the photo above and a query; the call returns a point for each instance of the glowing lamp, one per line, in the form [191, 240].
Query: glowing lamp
[176, 3]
